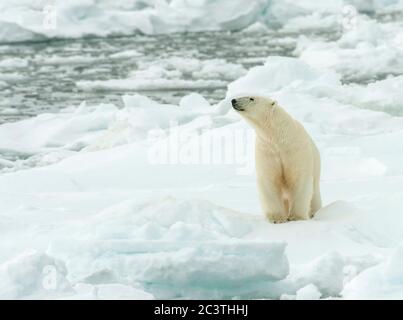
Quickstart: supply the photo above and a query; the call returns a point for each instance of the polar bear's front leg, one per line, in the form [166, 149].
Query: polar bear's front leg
[316, 203]
[272, 202]
[301, 197]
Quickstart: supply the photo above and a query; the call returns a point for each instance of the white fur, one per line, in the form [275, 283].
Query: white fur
[287, 161]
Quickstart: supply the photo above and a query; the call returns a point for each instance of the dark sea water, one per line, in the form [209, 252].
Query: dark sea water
[48, 82]
[47, 79]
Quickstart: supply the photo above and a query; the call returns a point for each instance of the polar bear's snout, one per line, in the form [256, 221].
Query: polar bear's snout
[236, 105]
[240, 104]
[254, 107]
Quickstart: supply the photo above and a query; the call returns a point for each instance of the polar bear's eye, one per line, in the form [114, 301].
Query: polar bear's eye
[251, 99]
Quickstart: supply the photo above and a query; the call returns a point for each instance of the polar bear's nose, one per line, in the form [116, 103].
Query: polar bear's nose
[233, 101]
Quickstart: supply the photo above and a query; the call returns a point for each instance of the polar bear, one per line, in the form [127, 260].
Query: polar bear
[287, 161]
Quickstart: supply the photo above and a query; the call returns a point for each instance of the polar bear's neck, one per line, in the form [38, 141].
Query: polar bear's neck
[275, 127]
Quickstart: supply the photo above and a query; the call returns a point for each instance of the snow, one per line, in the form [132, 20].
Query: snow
[170, 73]
[325, 273]
[282, 72]
[13, 63]
[153, 200]
[380, 44]
[309, 292]
[14, 32]
[148, 85]
[257, 27]
[115, 216]
[32, 274]
[179, 254]
[194, 100]
[50, 60]
[3, 85]
[109, 292]
[381, 282]
[125, 54]
[43, 19]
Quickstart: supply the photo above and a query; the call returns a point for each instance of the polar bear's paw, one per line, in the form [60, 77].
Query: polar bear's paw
[277, 218]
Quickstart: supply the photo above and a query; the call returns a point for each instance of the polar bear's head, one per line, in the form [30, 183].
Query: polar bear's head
[254, 108]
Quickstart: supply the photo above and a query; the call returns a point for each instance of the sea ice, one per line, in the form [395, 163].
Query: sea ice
[113, 222]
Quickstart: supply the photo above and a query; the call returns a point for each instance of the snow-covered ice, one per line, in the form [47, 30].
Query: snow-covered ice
[111, 221]
[39, 20]
[366, 51]
[148, 200]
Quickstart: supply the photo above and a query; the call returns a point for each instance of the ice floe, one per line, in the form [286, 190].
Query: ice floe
[85, 194]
